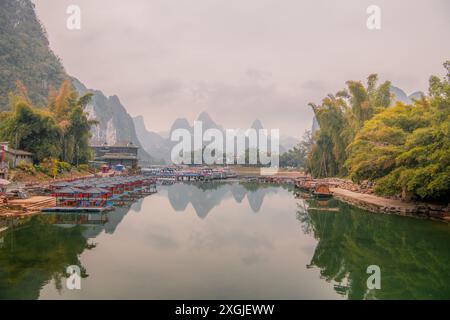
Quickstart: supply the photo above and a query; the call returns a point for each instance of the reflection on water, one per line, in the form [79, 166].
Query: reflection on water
[34, 252]
[205, 241]
[414, 255]
[204, 197]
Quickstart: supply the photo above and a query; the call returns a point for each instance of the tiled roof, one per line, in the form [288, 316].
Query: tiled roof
[18, 152]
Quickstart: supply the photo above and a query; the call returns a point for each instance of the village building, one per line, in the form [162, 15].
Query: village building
[10, 158]
[120, 153]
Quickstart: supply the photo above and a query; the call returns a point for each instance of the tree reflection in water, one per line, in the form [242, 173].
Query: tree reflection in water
[36, 251]
[39, 249]
[413, 257]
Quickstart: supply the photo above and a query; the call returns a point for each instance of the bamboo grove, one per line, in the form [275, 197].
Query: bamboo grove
[60, 130]
[404, 149]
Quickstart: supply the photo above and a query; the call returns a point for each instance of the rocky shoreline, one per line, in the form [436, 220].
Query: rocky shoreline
[362, 196]
[377, 204]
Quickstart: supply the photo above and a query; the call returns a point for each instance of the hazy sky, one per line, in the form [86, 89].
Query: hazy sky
[246, 59]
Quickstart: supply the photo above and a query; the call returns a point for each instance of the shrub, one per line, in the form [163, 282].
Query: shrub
[63, 167]
[48, 167]
[26, 167]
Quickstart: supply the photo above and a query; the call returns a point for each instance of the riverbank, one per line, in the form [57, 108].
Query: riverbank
[40, 179]
[363, 196]
[378, 204]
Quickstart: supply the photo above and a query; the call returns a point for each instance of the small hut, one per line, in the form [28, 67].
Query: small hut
[95, 197]
[68, 196]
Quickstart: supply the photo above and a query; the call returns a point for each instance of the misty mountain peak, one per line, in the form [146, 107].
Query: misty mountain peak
[180, 123]
[205, 117]
[207, 121]
[416, 95]
[257, 125]
[400, 95]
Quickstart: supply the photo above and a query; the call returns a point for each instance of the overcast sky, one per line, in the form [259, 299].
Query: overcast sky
[244, 59]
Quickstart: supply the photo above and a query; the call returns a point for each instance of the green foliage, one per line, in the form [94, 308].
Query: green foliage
[29, 67]
[25, 54]
[297, 156]
[48, 167]
[61, 131]
[28, 168]
[293, 158]
[340, 117]
[63, 166]
[33, 130]
[406, 148]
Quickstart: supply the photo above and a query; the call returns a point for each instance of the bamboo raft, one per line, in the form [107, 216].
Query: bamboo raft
[26, 207]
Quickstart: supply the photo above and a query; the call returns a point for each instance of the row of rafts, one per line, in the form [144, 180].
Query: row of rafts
[99, 194]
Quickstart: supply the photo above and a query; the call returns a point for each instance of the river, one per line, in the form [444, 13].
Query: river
[225, 241]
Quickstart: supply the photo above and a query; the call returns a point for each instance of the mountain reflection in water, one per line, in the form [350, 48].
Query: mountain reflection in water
[293, 248]
[205, 196]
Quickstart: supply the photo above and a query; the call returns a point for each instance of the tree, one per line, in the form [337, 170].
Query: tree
[406, 148]
[60, 131]
[74, 124]
[340, 117]
[297, 156]
[33, 130]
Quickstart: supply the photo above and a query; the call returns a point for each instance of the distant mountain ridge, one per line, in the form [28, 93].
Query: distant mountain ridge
[400, 95]
[114, 122]
[159, 147]
[152, 142]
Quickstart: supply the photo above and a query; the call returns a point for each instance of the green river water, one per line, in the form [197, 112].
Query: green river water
[225, 241]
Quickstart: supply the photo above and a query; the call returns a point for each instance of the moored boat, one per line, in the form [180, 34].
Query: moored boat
[322, 191]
